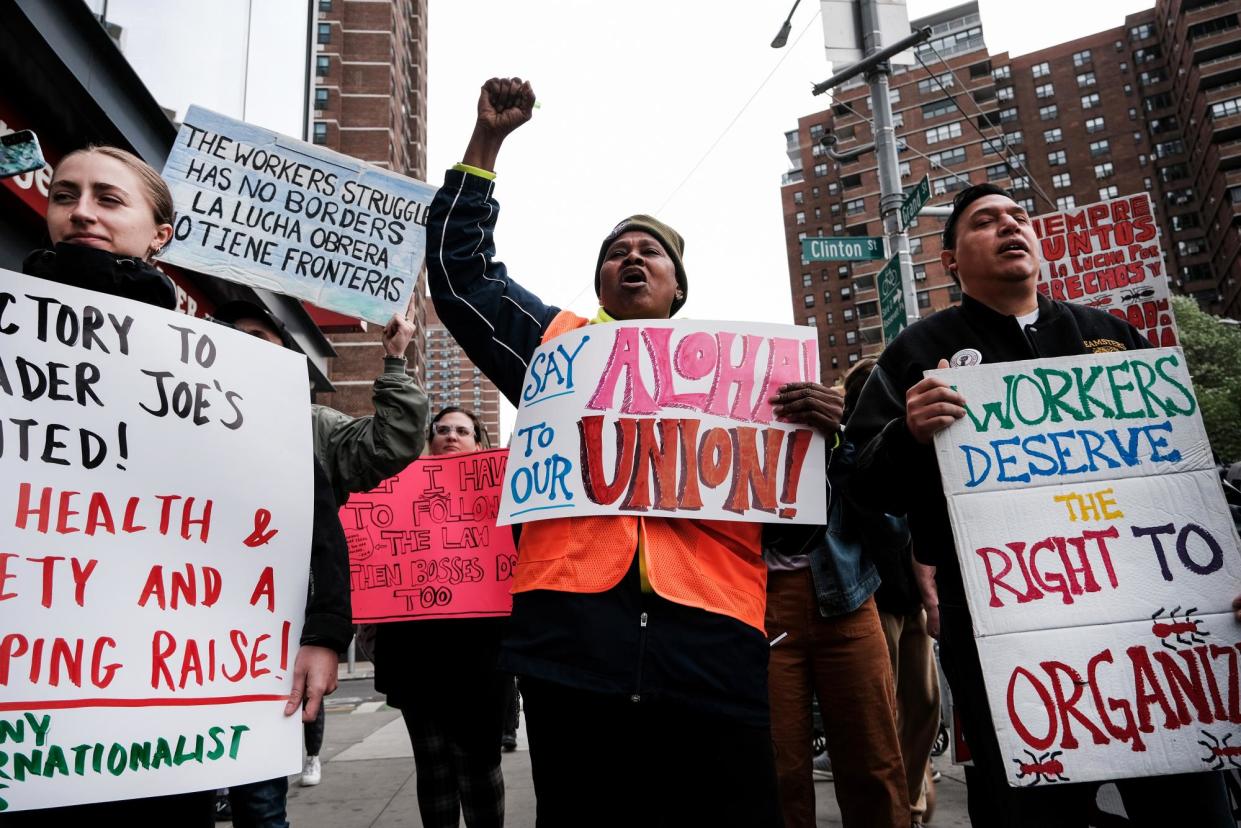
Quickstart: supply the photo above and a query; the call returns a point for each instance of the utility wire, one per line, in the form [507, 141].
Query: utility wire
[905, 145]
[783, 57]
[740, 112]
[1004, 156]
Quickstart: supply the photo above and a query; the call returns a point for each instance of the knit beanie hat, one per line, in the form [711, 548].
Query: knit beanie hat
[673, 244]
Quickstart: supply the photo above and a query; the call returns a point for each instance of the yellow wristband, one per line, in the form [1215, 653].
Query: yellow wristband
[478, 171]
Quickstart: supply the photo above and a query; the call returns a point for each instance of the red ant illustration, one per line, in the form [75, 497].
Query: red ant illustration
[1220, 750]
[1042, 768]
[1179, 629]
[1099, 301]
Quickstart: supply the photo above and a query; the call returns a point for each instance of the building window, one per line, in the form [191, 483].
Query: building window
[1081, 58]
[1168, 148]
[1086, 79]
[997, 171]
[915, 245]
[851, 181]
[928, 85]
[1009, 115]
[812, 322]
[320, 136]
[846, 292]
[924, 298]
[820, 170]
[919, 273]
[905, 169]
[806, 279]
[1095, 125]
[850, 337]
[1020, 182]
[854, 357]
[1142, 31]
[1098, 148]
[325, 33]
[956, 155]
[1040, 70]
[948, 184]
[1026, 204]
[1104, 170]
[799, 197]
[808, 300]
[1051, 136]
[1057, 158]
[847, 313]
[800, 218]
[1066, 203]
[1061, 180]
[325, 5]
[1225, 108]
[1045, 90]
[844, 271]
[322, 64]
[321, 97]
[937, 108]
[1013, 139]
[1001, 72]
[1109, 192]
[816, 131]
[857, 205]
[1004, 93]
[1090, 101]
[1048, 113]
[943, 133]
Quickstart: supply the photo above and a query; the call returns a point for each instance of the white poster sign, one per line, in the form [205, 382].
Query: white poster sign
[667, 419]
[155, 498]
[1100, 562]
[259, 208]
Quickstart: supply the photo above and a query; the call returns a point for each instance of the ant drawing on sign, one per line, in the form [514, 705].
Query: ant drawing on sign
[1219, 750]
[1042, 768]
[1099, 301]
[1179, 629]
[1136, 294]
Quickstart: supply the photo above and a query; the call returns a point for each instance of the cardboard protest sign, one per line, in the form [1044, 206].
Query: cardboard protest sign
[424, 543]
[266, 210]
[155, 499]
[666, 419]
[1100, 562]
[1107, 255]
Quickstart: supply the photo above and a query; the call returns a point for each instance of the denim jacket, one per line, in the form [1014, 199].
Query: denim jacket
[843, 575]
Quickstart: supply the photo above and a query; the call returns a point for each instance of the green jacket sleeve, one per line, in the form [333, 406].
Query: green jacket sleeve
[359, 452]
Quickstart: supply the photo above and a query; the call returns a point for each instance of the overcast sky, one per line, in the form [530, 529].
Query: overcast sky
[646, 106]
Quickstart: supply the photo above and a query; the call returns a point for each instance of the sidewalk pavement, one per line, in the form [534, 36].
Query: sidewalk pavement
[368, 775]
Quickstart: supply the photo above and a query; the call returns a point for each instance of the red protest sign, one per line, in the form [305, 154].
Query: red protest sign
[424, 543]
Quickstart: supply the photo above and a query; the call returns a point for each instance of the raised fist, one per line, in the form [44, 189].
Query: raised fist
[504, 104]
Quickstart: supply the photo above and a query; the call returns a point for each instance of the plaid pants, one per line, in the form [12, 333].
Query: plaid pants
[457, 765]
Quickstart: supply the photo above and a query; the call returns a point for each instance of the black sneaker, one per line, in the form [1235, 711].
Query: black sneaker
[508, 742]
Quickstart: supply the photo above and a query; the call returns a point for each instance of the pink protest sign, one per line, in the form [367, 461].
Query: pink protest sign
[424, 543]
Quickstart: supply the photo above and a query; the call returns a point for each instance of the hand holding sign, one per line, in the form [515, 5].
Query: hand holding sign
[812, 404]
[931, 406]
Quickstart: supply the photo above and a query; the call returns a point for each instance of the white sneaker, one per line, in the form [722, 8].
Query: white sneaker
[312, 772]
[822, 766]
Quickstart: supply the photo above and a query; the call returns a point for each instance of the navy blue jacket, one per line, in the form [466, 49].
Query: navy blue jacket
[623, 642]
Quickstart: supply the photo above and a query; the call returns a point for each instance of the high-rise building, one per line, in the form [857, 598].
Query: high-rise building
[453, 380]
[1148, 106]
[368, 95]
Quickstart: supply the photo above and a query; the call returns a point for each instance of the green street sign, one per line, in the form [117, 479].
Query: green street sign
[842, 248]
[915, 201]
[891, 299]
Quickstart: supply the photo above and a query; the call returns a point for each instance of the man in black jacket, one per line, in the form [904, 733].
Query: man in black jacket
[990, 248]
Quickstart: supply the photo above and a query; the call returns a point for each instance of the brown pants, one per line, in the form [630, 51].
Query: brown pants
[844, 661]
[917, 698]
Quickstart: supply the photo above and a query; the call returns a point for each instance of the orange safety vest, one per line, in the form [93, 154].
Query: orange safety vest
[716, 565]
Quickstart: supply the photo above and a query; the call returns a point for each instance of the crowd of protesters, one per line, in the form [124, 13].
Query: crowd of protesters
[696, 645]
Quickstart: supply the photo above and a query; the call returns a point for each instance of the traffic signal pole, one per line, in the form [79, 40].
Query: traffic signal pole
[877, 71]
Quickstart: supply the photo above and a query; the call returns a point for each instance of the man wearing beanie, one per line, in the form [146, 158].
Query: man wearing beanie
[642, 709]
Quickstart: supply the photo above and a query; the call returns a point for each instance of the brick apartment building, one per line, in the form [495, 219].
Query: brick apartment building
[368, 100]
[453, 380]
[1153, 105]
